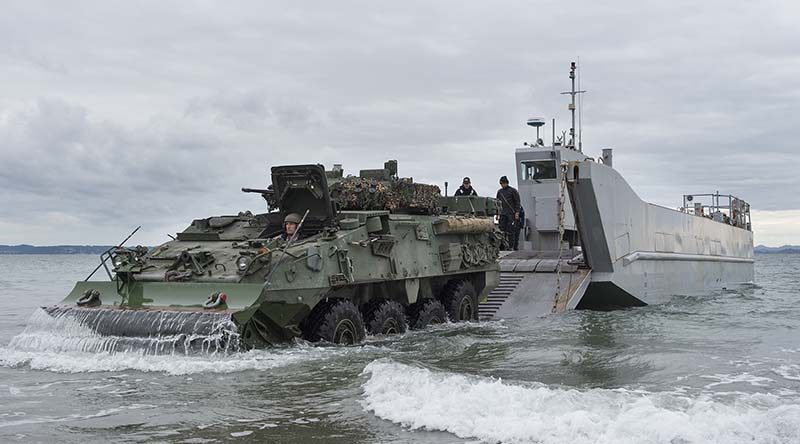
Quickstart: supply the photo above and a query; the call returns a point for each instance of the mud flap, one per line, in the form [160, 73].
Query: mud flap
[270, 323]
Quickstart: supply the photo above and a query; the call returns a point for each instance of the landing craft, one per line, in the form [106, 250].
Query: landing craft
[373, 252]
[590, 242]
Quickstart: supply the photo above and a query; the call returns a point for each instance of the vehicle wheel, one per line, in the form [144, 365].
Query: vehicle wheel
[460, 300]
[386, 318]
[338, 322]
[425, 313]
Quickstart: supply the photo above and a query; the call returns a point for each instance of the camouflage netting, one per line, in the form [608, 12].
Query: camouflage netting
[398, 195]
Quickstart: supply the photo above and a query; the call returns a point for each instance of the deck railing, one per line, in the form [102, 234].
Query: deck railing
[724, 208]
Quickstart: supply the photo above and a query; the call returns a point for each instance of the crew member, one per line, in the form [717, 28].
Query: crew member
[466, 188]
[509, 211]
[290, 223]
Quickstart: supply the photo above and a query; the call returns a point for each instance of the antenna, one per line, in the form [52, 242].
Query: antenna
[580, 108]
[537, 123]
[572, 93]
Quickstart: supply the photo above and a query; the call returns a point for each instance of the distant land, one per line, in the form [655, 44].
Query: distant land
[791, 249]
[53, 249]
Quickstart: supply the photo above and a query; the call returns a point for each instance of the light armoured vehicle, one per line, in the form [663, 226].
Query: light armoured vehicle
[373, 252]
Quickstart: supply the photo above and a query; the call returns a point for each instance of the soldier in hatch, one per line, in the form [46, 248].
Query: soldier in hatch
[509, 211]
[466, 188]
[290, 224]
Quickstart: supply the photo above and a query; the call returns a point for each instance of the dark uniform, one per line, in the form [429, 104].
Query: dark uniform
[461, 191]
[509, 208]
[466, 188]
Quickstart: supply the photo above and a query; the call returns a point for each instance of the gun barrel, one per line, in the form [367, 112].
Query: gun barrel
[256, 190]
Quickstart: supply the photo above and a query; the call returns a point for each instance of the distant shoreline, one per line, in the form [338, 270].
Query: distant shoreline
[785, 249]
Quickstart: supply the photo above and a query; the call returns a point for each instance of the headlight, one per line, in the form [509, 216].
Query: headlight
[243, 263]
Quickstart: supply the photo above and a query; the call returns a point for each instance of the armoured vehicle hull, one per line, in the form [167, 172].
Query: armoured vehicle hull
[239, 279]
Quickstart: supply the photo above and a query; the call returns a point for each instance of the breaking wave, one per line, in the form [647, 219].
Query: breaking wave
[153, 332]
[65, 345]
[495, 411]
[77, 362]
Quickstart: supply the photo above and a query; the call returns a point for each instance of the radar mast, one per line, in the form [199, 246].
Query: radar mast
[571, 143]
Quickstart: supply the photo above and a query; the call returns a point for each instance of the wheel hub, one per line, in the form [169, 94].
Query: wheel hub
[465, 309]
[390, 327]
[345, 332]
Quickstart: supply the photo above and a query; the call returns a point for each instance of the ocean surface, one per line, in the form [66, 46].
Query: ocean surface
[719, 368]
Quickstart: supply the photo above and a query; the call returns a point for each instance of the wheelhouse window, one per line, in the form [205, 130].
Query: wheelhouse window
[539, 169]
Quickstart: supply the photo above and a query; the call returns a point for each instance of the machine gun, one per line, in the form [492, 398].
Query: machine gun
[268, 195]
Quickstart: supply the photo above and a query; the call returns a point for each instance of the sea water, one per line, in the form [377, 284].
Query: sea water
[722, 368]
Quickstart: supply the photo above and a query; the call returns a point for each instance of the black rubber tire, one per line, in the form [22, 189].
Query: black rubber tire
[427, 312]
[386, 318]
[337, 322]
[460, 300]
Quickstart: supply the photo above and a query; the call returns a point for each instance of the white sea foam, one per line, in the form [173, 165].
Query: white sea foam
[788, 371]
[73, 417]
[743, 378]
[44, 332]
[495, 411]
[76, 362]
[63, 345]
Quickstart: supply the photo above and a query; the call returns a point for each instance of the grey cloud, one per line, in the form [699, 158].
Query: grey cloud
[243, 109]
[55, 159]
[153, 113]
[55, 146]
[252, 110]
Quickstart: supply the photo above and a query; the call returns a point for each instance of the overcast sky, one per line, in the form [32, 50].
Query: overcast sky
[116, 114]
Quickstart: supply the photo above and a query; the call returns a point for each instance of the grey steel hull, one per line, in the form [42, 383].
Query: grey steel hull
[641, 253]
[534, 283]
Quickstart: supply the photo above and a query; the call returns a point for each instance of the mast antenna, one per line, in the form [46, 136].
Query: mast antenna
[580, 109]
[573, 93]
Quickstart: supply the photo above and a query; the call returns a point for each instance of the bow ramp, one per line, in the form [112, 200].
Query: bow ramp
[535, 283]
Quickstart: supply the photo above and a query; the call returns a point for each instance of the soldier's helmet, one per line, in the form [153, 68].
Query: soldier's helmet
[293, 218]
